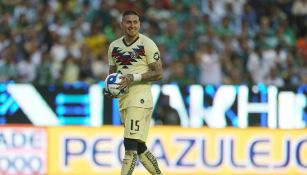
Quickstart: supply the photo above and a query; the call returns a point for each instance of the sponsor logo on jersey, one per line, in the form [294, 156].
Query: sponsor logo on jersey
[156, 56]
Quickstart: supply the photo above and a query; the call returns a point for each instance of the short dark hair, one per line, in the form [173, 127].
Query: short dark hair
[130, 12]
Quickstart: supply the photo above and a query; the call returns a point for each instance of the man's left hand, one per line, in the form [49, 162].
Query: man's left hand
[126, 80]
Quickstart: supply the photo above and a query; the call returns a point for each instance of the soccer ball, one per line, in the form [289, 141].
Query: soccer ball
[111, 84]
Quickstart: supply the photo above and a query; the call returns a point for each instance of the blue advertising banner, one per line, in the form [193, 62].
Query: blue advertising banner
[193, 106]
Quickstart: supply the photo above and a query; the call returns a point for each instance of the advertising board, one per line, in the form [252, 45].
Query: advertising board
[23, 150]
[91, 151]
[239, 106]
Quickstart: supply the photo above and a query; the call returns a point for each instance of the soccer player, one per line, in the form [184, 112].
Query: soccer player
[137, 57]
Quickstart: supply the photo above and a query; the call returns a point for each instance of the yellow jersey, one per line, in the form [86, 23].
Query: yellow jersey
[131, 59]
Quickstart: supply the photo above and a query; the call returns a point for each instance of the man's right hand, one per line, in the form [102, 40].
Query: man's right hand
[108, 94]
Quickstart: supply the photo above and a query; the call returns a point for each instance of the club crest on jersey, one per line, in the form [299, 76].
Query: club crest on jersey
[126, 58]
[133, 55]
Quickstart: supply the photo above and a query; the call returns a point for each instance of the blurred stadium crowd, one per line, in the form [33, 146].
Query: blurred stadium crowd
[201, 41]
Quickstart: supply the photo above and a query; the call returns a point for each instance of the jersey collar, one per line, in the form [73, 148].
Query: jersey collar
[127, 45]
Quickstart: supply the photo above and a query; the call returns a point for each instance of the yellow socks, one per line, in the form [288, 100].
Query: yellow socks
[149, 161]
[129, 162]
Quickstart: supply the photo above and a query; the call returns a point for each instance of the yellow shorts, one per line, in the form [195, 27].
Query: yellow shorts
[137, 122]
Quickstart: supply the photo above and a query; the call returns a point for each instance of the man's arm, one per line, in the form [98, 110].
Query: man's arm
[155, 73]
[112, 69]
